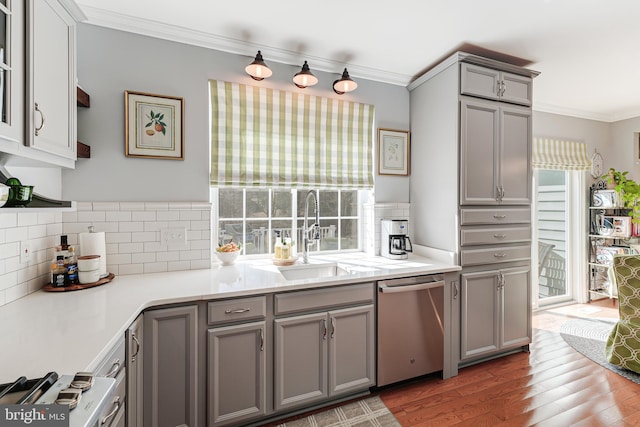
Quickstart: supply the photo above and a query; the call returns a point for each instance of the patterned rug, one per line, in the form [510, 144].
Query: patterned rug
[367, 412]
[588, 336]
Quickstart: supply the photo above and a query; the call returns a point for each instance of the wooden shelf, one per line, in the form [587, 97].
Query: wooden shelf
[82, 98]
[83, 151]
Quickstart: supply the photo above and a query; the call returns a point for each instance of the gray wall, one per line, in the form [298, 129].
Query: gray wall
[110, 62]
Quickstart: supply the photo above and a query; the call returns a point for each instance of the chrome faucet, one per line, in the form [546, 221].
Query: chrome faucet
[314, 229]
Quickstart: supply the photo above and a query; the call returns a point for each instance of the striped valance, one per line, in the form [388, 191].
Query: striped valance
[560, 155]
[268, 137]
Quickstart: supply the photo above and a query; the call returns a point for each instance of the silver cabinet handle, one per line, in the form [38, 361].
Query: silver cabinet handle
[455, 289]
[499, 236]
[500, 280]
[135, 339]
[499, 255]
[114, 369]
[116, 403]
[324, 332]
[240, 310]
[39, 128]
[501, 193]
[497, 193]
[333, 327]
[499, 216]
[261, 339]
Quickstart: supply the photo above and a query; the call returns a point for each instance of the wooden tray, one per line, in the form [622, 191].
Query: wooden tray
[284, 262]
[50, 288]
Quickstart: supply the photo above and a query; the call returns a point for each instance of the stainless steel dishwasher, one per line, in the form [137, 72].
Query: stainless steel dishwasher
[410, 327]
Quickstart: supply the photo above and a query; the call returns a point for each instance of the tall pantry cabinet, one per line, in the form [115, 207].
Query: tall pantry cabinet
[471, 195]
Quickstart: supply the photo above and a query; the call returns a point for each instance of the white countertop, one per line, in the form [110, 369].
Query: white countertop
[68, 332]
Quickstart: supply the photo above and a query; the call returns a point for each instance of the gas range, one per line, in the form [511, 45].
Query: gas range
[88, 406]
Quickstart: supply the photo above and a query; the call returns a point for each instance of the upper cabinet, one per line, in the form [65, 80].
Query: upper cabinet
[12, 71]
[497, 85]
[51, 79]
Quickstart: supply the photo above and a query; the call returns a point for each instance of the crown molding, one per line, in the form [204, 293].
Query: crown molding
[572, 112]
[131, 24]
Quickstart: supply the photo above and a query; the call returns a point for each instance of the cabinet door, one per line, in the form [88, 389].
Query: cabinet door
[51, 84]
[351, 349]
[516, 89]
[134, 355]
[516, 307]
[170, 366]
[12, 71]
[515, 155]
[300, 360]
[479, 314]
[479, 133]
[236, 360]
[479, 81]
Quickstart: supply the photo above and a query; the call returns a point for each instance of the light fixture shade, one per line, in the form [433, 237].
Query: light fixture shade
[345, 84]
[304, 78]
[258, 70]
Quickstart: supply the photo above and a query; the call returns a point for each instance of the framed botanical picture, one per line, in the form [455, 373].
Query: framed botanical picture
[393, 152]
[154, 126]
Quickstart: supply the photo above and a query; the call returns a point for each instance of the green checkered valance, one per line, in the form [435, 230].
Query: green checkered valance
[268, 137]
[560, 155]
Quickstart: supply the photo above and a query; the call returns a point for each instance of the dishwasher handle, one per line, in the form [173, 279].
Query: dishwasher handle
[409, 288]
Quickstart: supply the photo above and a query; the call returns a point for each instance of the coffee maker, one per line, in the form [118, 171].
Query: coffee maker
[394, 239]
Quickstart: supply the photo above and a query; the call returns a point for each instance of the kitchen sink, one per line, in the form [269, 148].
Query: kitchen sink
[312, 271]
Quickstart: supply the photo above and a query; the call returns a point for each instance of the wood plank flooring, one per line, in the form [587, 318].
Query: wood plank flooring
[553, 385]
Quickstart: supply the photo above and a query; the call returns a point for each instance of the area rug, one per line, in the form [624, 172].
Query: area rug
[588, 336]
[367, 412]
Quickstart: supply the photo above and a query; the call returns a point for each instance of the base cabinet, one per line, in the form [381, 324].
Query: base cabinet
[171, 371]
[322, 355]
[495, 311]
[236, 389]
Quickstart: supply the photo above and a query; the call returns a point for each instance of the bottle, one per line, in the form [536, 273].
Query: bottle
[277, 249]
[71, 263]
[58, 272]
[64, 246]
[286, 249]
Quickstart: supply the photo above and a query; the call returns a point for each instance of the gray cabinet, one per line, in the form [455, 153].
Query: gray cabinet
[328, 352]
[495, 311]
[51, 79]
[171, 366]
[236, 373]
[135, 384]
[494, 84]
[471, 131]
[495, 147]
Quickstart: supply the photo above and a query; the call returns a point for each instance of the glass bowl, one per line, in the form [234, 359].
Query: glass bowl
[227, 258]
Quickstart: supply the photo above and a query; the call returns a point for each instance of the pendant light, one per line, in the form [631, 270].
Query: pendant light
[345, 84]
[304, 78]
[258, 70]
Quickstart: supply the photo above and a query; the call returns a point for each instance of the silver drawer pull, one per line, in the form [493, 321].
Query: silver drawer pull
[114, 369]
[240, 310]
[500, 255]
[499, 216]
[499, 236]
[116, 404]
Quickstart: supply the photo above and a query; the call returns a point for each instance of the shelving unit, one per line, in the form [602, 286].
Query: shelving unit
[83, 100]
[610, 232]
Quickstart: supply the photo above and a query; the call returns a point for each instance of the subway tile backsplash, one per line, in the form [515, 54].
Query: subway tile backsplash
[132, 234]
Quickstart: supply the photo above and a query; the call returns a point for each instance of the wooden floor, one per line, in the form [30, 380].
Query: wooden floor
[553, 385]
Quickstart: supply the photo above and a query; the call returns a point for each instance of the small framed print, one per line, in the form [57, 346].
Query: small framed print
[154, 126]
[393, 152]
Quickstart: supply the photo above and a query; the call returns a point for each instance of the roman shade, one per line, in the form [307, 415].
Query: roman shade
[269, 137]
[560, 155]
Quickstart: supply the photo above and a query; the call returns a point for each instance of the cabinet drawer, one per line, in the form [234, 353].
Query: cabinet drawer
[111, 412]
[489, 216]
[494, 255]
[317, 299]
[113, 363]
[494, 235]
[236, 309]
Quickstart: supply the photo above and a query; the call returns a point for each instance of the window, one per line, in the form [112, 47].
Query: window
[253, 216]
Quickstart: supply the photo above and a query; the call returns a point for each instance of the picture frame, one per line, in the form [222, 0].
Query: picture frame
[606, 199]
[154, 126]
[394, 152]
